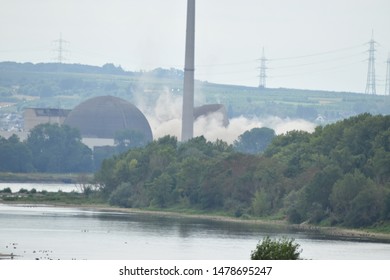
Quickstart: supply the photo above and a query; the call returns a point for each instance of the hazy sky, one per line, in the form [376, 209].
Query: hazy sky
[309, 44]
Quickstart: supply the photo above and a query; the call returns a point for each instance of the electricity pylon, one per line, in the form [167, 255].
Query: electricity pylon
[60, 49]
[263, 68]
[370, 85]
[387, 87]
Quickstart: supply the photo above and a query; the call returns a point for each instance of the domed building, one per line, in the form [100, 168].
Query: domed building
[103, 116]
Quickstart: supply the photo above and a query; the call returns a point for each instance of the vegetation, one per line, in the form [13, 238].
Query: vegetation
[337, 175]
[254, 141]
[49, 148]
[56, 148]
[15, 155]
[34, 196]
[281, 249]
[53, 148]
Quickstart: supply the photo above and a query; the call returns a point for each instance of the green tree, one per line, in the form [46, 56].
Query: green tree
[316, 194]
[122, 196]
[356, 200]
[163, 191]
[381, 158]
[127, 139]
[281, 249]
[367, 207]
[255, 140]
[260, 203]
[15, 155]
[58, 148]
[189, 177]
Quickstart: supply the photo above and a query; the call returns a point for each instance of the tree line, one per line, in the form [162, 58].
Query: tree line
[337, 175]
[53, 148]
[49, 148]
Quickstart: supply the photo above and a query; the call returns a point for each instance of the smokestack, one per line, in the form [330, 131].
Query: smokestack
[187, 130]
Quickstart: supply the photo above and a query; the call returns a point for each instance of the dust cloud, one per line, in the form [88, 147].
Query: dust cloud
[164, 116]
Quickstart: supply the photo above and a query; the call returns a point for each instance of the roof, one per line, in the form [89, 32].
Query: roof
[103, 116]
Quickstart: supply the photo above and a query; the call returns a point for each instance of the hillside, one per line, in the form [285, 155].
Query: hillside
[66, 85]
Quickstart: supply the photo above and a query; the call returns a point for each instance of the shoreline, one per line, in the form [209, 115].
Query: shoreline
[328, 232]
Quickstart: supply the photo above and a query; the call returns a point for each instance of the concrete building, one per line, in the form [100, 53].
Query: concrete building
[35, 116]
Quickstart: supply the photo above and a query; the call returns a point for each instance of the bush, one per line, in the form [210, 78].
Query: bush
[282, 249]
[122, 195]
[6, 190]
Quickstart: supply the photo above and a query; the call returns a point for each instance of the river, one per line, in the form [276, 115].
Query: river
[43, 232]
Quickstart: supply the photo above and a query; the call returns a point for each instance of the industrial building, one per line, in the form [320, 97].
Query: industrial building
[98, 119]
[35, 116]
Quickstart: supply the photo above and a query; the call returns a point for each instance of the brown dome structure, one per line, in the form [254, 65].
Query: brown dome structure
[104, 116]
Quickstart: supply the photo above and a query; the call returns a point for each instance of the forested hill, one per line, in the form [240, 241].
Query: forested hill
[339, 174]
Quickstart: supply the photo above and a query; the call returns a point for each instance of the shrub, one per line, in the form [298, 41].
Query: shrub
[282, 249]
[6, 190]
[122, 195]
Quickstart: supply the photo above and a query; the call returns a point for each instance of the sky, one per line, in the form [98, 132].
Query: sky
[308, 44]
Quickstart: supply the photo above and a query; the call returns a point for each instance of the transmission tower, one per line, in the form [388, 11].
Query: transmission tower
[263, 68]
[60, 49]
[370, 86]
[387, 87]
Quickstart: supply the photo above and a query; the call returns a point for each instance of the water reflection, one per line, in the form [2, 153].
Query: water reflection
[70, 233]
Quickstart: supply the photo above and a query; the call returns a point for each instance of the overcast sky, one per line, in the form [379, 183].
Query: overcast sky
[308, 44]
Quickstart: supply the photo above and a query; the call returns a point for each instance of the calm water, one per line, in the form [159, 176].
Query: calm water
[70, 233]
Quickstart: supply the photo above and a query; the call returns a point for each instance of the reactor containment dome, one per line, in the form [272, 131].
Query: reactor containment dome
[104, 116]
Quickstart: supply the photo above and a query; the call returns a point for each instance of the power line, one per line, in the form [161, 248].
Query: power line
[316, 54]
[318, 62]
[330, 69]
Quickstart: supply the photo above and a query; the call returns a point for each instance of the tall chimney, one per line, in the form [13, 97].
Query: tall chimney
[187, 129]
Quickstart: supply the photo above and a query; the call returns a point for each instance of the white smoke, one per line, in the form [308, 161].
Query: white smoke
[164, 116]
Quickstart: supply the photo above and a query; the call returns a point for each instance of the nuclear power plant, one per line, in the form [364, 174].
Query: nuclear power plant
[99, 119]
